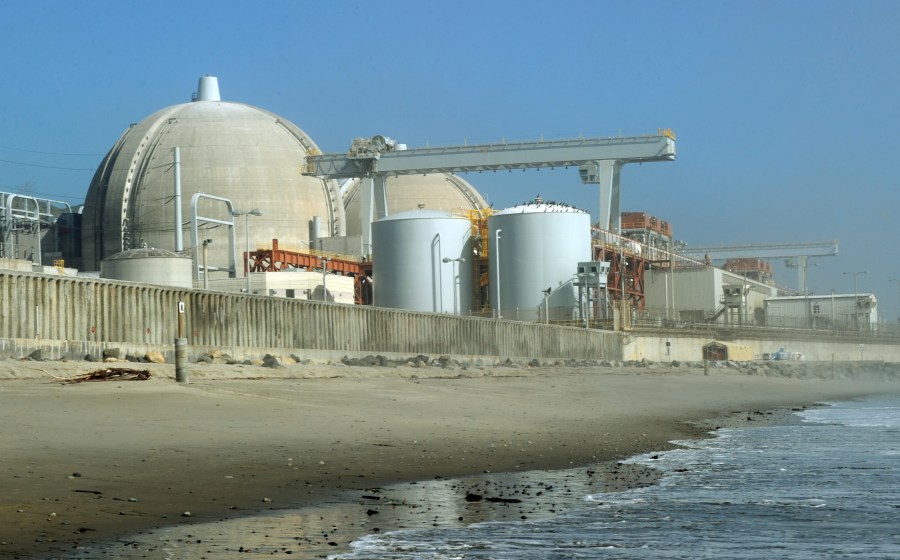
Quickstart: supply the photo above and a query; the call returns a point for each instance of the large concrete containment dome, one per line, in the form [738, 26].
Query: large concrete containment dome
[150, 266]
[435, 191]
[422, 261]
[534, 247]
[229, 150]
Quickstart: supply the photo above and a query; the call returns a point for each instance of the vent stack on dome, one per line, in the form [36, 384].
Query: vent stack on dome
[208, 89]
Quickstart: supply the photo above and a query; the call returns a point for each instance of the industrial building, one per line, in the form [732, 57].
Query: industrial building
[841, 312]
[705, 294]
[225, 196]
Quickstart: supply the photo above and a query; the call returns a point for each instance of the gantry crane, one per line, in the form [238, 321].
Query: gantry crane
[599, 161]
[802, 252]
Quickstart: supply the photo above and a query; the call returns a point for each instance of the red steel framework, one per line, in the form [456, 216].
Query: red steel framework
[632, 272]
[277, 260]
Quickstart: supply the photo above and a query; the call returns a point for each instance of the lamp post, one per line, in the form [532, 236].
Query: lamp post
[855, 296]
[246, 215]
[833, 324]
[324, 276]
[497, 263]
[547, 304]
[455, 281]
[206, 243]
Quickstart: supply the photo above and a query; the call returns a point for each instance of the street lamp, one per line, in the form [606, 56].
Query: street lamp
[324, 273]
[546, 304]
[455, 279]
[855, 296]
[206, 243]
[246, 215]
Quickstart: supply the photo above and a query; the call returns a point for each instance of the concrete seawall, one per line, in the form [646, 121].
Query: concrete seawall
[72, 317]
[689, 346]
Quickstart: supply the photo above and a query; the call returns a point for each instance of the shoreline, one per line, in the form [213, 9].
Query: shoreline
[96, 462]
[325, 529]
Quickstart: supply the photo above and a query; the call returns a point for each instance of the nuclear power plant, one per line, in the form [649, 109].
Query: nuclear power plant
[226, 197]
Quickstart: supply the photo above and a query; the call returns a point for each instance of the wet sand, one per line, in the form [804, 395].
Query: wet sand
[362, 448]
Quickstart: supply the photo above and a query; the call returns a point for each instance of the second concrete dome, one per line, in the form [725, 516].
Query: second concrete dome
[435, 191]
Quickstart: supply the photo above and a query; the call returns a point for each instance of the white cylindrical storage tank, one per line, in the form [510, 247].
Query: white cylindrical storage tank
[422, 261]
[150, 266]
[533, 247]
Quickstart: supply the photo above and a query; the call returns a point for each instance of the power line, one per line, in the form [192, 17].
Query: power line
[45, 153]
[27, 192]
[48, 166]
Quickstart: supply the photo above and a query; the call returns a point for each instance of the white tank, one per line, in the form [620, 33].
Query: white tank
[422, 261]
[539, 247]
[150, 266]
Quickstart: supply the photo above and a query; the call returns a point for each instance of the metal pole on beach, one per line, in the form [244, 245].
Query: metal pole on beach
[181, 369]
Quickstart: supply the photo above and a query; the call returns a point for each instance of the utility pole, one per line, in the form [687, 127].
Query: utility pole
[856, 297]
[324, 276]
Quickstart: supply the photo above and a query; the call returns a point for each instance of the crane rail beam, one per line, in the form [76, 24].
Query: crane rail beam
[494, 157]
[767, 251]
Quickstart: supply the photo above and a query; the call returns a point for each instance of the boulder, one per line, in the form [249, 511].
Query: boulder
[271, 361]
[155, 357]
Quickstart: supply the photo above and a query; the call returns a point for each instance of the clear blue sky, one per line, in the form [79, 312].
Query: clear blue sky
[785, 112]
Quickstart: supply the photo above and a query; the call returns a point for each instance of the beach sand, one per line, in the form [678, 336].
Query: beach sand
[361, 449]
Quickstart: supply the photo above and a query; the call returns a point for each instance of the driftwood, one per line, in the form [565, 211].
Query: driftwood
[112, 374]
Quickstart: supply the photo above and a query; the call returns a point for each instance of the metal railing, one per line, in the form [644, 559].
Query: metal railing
[802, 327]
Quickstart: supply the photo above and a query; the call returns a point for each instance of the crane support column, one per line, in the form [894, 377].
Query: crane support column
[374, 206]
[610, 209]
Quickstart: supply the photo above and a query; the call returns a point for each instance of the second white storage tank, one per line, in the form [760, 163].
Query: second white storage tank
[533, 247]
[422, 261]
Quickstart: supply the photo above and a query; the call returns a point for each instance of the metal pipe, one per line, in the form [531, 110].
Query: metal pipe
[179, 241]
[206, 243]
[497, 261]
[324, 276]
[247, 237]
[195, 237]
[246, 215]
[454, 280]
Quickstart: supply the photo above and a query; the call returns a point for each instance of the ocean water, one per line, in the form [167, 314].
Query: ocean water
[826, 488]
